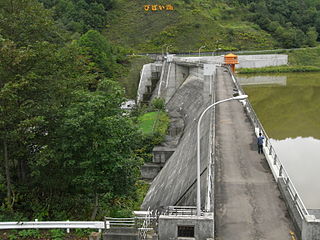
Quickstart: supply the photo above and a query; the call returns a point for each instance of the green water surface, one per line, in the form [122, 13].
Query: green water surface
[291, 110]
[290, 114]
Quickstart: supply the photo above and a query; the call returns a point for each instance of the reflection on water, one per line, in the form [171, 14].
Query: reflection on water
[291, 116]
[282, 80]
[301, 159]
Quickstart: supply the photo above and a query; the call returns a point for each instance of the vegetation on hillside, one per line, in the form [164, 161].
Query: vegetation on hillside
[191, 24]
[293, 23]
[224, 25]
[79, 16]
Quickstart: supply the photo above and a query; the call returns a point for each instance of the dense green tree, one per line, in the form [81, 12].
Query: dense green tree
[26, 22]
[58, 139]
[288, 21]
[80, 15]
[103, 57]
[95, 146]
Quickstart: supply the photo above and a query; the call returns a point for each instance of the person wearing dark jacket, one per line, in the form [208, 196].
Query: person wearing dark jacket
[260, 143]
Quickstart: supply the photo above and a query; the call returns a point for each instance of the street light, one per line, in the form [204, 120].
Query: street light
[240, 97]
[167, 48]
[199, 51]
[162, 49]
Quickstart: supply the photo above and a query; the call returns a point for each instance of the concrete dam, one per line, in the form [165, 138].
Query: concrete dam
[250, 195]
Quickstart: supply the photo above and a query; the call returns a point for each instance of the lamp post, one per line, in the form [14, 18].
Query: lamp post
[162, 49]
[167, 48]
[241, 97]
[200, 50]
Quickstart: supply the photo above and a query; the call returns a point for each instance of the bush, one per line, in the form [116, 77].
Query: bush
[158, 104]
[30, 233]
[57, 234]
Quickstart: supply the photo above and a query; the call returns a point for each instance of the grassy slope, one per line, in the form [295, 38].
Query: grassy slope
[188, 27]
[305, 57]
[154, 122]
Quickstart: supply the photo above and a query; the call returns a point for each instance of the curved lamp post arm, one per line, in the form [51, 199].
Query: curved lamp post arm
[241, 97]
[200, 50]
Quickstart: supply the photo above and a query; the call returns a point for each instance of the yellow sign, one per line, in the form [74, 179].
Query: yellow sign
[154, 8]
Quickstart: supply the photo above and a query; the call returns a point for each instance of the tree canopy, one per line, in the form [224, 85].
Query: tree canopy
[67, 151]
[293, 23]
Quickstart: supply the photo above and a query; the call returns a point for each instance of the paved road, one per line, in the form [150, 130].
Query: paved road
[248, 204]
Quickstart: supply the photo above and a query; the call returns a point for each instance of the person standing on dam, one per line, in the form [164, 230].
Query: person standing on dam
[260, 143]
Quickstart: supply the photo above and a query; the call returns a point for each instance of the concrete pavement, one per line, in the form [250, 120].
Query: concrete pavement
[248, 205]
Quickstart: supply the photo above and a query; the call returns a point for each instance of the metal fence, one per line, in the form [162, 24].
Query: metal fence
[276, 165]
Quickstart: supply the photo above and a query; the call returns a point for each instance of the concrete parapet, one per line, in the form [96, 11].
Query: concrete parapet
[171, 227]
[291, 205]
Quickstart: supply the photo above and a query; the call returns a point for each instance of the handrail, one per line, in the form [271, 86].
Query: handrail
[282, 173]
[52, 225]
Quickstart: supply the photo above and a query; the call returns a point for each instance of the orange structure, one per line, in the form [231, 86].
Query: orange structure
[231, 60]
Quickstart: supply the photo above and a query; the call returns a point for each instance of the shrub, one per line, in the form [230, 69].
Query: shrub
[158, 104]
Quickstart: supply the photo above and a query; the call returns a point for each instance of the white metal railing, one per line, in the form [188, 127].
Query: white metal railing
[54, 225]
[146, 225]
[120, 222]
[181, 210]
[276, 163]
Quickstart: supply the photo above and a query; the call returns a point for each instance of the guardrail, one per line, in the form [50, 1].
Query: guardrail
[54, 225]
[276, 166]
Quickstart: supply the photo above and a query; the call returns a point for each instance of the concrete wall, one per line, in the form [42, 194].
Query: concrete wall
[145, 77]
[175, 77]
[148, 74]
[168, 226]
[179, 173]
[258, 61]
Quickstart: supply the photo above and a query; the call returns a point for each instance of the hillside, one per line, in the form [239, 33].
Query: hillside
[189, 26]
[147, 25]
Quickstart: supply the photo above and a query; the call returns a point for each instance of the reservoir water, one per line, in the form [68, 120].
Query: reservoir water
[288, 106]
